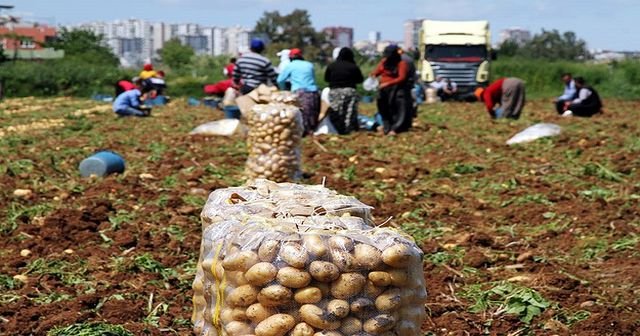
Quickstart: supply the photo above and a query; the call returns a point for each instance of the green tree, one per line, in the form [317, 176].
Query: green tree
[83, 46]
[175, 54]
[293, 30]
[3, 57]
[552, 45]
[509, 48]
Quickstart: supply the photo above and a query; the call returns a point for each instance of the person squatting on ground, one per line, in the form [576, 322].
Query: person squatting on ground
[147, 72]
[301, 74]
[343, 76]
[125, 85]
[586, 104]
[508, 93]
[394, 96]
[128, 103]
[445, 88]
[253, 69]
[568, 95]
[227, 71]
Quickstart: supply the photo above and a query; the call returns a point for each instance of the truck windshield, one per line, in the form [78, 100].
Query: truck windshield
[455, 53]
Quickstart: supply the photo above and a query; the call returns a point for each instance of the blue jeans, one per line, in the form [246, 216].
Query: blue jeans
[130, 111]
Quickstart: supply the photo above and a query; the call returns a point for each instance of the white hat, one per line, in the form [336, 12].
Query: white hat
[283, 52]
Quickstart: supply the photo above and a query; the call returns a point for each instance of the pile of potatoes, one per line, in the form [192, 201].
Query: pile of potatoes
[302, 277]
[275, 132]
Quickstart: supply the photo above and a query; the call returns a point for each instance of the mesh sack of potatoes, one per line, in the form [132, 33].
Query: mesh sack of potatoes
[310, 276]
[275, 133]
[267, 199]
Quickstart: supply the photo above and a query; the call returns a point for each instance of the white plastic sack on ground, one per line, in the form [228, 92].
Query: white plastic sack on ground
[325, 127]
[225, 127]
[534, 132]
[370, 84]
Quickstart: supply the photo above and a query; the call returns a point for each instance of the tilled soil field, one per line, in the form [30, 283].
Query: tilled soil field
[533, 239]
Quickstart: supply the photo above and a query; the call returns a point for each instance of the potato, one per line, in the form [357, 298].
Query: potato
[261, 274]
[328, 333]
[242, 296]
[341, 243]
[317, 318]
[293, 277]
[308, 295]
[338, 308]
[351, 326]
[315, 245]
[302, 329]
[325, 288]
[380, 279]
[399, 255]
[324, 271]
[240, 261]
[390, 300]
[268, 250]
[235, 328]
[294, 254]
[276, 325]
[258, 313]
[379, 324]
[275, 296]
[372, 290]
[347, 285]
[236, 278]
[367, 257]
[399, 277]
[362, 306]
[344, 260]
[232, 314]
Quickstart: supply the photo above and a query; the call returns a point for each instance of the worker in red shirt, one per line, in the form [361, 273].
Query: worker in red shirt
[228, 69]
[507, 93]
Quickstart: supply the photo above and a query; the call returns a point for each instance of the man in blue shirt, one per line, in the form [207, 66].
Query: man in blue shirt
[569, 93]
[128, 104]
[303, 82]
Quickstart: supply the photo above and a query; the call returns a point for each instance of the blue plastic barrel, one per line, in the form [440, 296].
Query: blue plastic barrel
[193, 101]
[102, 163]
[211, 102]
[231, 112]
[157, 101]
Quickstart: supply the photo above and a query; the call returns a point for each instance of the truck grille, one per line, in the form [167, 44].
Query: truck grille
[464, 74]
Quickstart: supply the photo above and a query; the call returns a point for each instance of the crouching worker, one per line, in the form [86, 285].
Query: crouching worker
[507, 94]
[586, 104]
[128, 103]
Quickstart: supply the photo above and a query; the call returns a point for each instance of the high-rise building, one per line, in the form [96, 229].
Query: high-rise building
[374, 36]
[516, 34]
[339, 36]
[412, 33]
[238, 39]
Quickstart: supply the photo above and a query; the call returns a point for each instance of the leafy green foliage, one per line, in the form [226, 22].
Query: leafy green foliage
[290, 31]
[146, 262]
[506, 298]
[84, 46]
[175, 54]
[67, 272]
[548, 45]
[90, 329]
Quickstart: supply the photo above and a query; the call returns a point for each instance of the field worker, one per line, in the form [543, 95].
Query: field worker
[301, 74]
[253, 69]
[228, 69]
[412, 79]
[507, 93]
[147, 72]
[569, 93]
[587, 102]
[394, 96]
[445, 88]
[128, 104]
[284, 59]
[343, 76]
[125, 85]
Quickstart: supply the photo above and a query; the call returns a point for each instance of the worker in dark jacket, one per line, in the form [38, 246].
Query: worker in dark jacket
[503, 98]
[343, 76]
[587, 102]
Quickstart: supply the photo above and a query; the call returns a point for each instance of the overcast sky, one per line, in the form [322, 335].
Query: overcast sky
[610, 24]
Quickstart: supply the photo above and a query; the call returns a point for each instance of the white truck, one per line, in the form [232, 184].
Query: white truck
[457, 50]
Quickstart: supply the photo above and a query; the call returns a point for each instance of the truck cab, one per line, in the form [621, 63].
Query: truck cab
[457, 50]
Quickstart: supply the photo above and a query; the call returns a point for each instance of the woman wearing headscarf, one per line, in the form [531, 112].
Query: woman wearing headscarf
[301, 74]
[343, 75]
[394, 96]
